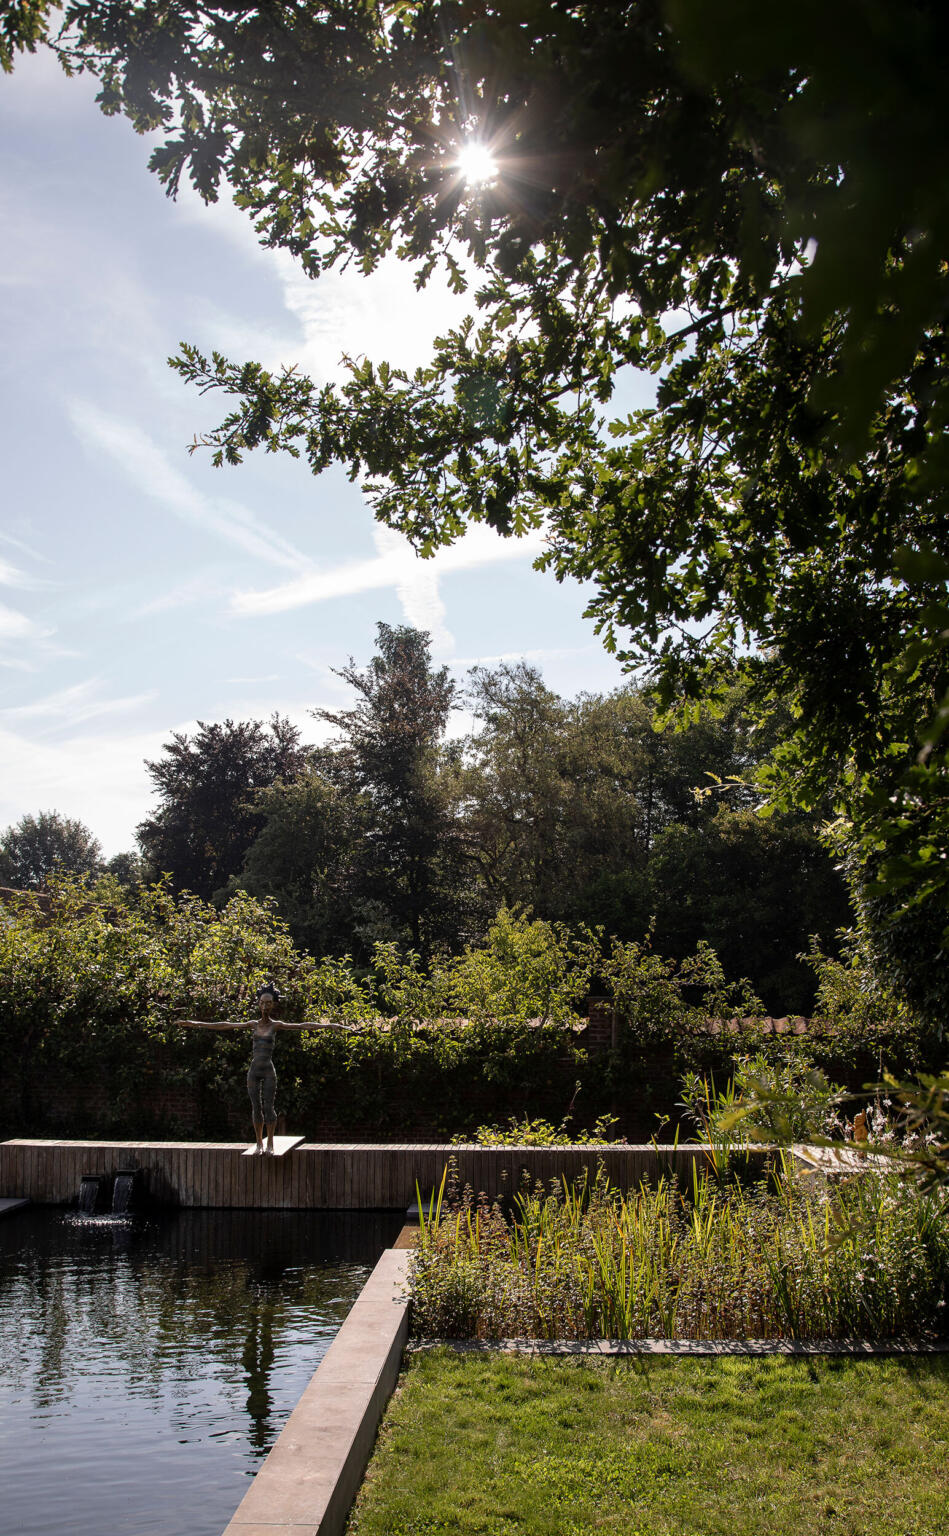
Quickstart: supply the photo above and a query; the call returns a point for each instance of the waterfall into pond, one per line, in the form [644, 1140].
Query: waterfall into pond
[122, 1192]
[89, 1193]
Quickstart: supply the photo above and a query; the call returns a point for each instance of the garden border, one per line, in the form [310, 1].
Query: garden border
[611, 1348]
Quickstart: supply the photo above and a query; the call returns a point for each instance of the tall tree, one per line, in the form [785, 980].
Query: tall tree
[36, 847]
[746, 202]
[207, 784]
[308, 858]
[586, 811]
[388, 751]
[758, 890]
[553, 792]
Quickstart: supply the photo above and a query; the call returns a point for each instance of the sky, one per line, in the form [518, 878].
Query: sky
[141, 590]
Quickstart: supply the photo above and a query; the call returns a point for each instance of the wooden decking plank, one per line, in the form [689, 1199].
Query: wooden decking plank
[281, 1146]
[317, 1175]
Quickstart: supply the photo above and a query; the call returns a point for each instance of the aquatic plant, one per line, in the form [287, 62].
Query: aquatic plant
[790, 1257]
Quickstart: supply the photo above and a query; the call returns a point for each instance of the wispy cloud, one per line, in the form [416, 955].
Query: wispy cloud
[12, 576]
[396, 566]
[70, 707]
[381, 316]
[197, 589]
[101, 778]
[154, 475]
[15, 625]
[416, 587]
[23, 549]
[543, 653]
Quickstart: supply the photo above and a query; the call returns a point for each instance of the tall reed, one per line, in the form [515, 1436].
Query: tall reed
[790, 1258]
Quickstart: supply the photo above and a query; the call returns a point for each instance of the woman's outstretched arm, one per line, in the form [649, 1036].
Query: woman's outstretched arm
[204, 1024]
[317, 1024]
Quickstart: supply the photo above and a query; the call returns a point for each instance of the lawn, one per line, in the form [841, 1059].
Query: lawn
[507, 1445]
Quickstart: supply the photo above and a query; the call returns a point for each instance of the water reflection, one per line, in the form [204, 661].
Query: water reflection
[145, 1368]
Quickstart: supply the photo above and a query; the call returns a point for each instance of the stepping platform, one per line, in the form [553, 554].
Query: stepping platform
[8, 1206]
[281, 1146]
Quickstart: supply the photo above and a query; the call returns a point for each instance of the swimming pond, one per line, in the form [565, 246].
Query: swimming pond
[147, 1366]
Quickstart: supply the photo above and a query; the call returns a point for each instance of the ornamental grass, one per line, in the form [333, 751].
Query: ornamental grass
[790, 1257]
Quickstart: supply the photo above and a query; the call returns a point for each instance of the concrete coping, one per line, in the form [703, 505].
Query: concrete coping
[310, 1478]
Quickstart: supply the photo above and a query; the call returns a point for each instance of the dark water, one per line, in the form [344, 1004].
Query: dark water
[147, 1367]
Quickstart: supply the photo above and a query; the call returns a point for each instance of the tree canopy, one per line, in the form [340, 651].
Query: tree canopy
[747, 204]
[206, 785]
[579, 810]
[388, 752]
[36, 847]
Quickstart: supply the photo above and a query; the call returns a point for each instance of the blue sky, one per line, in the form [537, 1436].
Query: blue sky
[141, 590]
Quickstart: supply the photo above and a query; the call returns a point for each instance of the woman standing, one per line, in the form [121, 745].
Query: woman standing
[261, 1074]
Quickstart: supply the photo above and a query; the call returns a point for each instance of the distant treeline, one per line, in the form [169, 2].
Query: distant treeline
[581, 810]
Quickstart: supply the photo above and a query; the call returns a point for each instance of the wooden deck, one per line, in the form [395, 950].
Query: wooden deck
[359, 1176]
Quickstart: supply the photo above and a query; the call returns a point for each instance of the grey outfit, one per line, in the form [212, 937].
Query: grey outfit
[262, 1079]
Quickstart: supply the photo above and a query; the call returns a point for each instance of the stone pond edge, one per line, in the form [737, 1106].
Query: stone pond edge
[307, 1483]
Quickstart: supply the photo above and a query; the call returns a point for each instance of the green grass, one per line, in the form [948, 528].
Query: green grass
[495, 1445]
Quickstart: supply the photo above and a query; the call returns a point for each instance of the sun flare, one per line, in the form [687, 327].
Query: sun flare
[476, 163]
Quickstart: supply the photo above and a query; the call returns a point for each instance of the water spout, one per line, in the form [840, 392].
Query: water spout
[89, 1186]
[122, 1192]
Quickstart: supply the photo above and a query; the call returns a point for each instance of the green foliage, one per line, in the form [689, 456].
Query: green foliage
[794, 1101]
[405, 867]
[559, 808]
[861, 1027]
[868, 1260]
[745, 205]
[94, 976]
[540, 1133]
[206, 785]
[657, 996]
[756, 890]
[583, 810]
[305, 858]
[923, 1117]
[525, 969]
[127, 868]
[37, 848]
